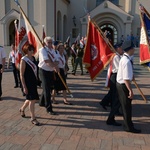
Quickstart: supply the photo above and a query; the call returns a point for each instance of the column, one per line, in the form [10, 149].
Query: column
[128, 6]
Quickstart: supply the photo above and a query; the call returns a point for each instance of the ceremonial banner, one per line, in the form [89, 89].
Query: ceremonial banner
[82, 44]
[97, 53]
[43, 34]
[77, 40]
[68, 40]
[31, 34]
[16, 34]
[145, 37]
[20, 39]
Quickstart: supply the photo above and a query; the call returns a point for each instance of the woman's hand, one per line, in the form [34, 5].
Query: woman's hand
[25, 90]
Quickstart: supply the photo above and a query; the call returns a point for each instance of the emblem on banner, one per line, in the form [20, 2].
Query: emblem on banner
[94, 52]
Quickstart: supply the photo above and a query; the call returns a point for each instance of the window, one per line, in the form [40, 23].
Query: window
[116, 2]
[98, 2]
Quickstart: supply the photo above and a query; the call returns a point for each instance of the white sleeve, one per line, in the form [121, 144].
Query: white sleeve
[3, 53]
[43, 55]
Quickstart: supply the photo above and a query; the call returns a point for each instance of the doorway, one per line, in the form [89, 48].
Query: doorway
[113, 34]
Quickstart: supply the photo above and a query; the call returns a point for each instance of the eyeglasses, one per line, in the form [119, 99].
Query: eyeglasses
[49, 42]
[31, 50]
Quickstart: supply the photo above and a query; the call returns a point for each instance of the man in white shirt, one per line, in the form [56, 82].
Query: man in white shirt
[115, 104]
[47, 65]
[2, 65]
[125, 92]
[12, 58]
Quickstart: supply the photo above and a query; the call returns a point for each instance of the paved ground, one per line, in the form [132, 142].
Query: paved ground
[78, 127]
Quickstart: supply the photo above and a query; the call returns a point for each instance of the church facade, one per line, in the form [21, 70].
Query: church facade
[63, 18]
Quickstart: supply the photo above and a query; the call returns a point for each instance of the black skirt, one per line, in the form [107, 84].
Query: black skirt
[58, 84]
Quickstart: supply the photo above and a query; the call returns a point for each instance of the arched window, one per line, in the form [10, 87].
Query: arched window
[112, 30]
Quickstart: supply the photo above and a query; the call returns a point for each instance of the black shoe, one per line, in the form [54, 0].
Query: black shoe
[15, 86]
[73, 73]
[51, 113]
[134, 130]
[114, 123]
[103, 105]
[81, 73]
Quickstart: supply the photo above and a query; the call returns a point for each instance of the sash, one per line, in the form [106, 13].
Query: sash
[13, 54]
[62, 61]
[31, 64]
[72, 49]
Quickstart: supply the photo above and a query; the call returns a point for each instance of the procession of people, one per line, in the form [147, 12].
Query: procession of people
[52, 62]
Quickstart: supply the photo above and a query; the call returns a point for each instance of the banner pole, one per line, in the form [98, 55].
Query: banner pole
[65, 84]
[139, 91]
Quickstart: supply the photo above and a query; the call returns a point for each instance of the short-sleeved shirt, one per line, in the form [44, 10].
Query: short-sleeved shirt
[115, 63]
[125, 70]
[43, 55]
[61, 60]
[2, 54]
[12, 56]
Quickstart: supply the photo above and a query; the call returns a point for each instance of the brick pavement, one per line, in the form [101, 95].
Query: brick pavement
[78, 127]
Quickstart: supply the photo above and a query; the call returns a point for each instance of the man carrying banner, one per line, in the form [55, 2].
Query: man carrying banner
[47, 64]
[115, 104]
[125, 92]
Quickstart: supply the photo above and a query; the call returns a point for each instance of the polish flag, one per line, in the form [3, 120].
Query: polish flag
[32, 36]
[68, 40]
[43, 34]
[145, 37]
[82, 44]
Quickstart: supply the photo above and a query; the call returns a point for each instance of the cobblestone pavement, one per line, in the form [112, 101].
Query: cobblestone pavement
[81, 126]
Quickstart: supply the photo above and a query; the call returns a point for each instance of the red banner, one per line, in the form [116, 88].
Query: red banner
[97, 52]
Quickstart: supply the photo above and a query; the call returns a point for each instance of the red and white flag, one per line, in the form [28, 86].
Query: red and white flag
[68, 40]
[32, 36]
[77, 40]
[109, 72]
[97, 52]
[82, 44]
[16, 34]
[145, 37]
[43, 34]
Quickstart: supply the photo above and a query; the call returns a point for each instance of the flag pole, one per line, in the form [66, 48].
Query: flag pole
[139, 91]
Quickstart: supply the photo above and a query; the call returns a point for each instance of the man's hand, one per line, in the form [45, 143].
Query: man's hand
[2, 70]
[56, 69]
[130, 94]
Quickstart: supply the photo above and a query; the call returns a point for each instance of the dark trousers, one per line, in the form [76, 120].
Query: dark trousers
[16, 74]
[78, 61]
[0, 81]
[106, 101]
[123, 94]
[73, 62]
[114, 98]
[47, 81]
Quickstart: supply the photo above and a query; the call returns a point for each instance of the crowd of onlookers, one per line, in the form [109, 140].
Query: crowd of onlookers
[134, 39]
